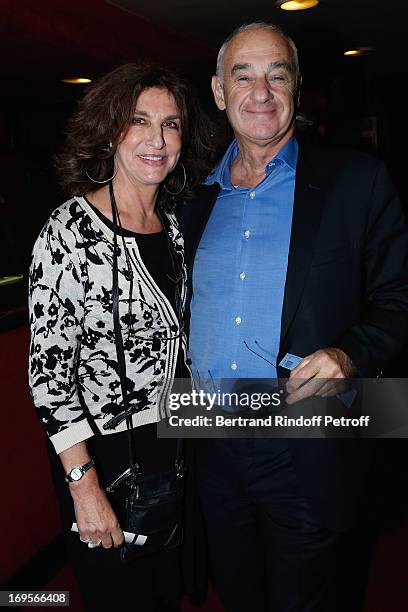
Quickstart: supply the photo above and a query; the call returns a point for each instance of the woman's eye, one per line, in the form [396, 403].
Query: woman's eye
[138, 121]
[171, 124]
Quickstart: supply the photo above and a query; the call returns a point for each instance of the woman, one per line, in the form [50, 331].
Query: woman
[136, 145]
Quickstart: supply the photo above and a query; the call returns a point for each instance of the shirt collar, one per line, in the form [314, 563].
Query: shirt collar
[221, 174]
[289, 153]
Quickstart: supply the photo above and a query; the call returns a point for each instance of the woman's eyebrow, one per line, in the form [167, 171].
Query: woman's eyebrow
[144, 113]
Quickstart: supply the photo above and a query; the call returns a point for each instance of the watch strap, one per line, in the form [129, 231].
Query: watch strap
[84, 468]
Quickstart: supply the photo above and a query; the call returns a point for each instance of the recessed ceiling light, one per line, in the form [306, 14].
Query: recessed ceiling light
[358, 51]
[296, 5]
[77, 80]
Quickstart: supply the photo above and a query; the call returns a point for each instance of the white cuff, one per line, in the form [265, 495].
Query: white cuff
[78, 432]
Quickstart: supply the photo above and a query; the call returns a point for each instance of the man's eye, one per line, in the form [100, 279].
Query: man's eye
[277, 77]
[138, 121]
[243, 79]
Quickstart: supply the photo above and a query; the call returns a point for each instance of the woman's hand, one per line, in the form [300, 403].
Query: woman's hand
[96, 520]
[95, 517]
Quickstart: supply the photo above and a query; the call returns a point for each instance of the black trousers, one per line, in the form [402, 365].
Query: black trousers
[150, 584]
[268, 552]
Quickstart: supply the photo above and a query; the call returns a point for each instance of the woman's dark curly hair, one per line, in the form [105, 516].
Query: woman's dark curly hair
[106, 111]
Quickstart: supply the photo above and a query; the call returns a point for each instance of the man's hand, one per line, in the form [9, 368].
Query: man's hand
[322, 373]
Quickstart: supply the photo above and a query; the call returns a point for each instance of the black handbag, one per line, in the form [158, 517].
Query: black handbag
[148, 507]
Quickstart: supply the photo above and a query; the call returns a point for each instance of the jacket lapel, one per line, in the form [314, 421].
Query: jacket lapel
[193, 218]
[307, 210]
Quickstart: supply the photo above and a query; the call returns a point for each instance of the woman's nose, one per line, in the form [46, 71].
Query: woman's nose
[155, 137]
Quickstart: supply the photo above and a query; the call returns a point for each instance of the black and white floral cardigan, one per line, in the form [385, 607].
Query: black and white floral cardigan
[73, 368]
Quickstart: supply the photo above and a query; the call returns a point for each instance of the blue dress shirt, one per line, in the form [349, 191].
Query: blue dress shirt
[240, 271]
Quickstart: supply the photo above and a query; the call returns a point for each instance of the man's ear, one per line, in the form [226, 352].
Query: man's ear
[218, 92]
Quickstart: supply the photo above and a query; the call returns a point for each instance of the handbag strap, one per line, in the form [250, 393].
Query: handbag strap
[133, 465]
[118, 335]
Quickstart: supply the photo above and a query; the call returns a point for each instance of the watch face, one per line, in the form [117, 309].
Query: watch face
[76, 473]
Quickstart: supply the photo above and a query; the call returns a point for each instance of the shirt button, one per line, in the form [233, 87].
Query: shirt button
[247, 233]
[238, 320]
[242, 275]
[252, 194]
[234, 365]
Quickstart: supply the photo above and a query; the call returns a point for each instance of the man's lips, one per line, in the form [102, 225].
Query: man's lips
[255, 111]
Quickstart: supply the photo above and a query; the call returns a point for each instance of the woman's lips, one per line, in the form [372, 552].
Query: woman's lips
[152, 160]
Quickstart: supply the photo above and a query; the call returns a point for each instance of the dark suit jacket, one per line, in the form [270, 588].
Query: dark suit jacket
[346, 286]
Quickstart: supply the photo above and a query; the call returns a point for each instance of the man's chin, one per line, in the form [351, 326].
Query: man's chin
[265, 137]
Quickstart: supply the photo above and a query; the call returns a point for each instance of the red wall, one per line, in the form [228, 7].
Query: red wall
[43, 38]
[29, 516]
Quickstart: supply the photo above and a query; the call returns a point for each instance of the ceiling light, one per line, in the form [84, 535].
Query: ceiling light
[296, 5]
[77, 80]
[358, 51]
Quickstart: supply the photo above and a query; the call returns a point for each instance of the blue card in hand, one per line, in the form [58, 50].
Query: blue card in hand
[290, 361]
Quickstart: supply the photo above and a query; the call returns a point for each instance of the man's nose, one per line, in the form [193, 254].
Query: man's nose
[262, 91]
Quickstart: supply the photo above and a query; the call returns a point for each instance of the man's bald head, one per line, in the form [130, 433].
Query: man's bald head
[259, 25]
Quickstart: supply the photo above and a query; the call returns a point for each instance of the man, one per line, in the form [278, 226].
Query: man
[291, 250]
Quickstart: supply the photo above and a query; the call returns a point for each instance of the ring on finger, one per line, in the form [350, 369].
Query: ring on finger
[94, 544]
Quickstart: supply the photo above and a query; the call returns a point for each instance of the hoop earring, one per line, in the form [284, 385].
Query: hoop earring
[174, 193]
[101, 182]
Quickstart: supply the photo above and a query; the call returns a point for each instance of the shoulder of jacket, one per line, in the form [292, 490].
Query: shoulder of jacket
[63, 226]
[66, 213]
[339, 156]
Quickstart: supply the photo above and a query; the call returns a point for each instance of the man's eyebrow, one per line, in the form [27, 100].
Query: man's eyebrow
[272, 66]
[285, 65]
[238, 67]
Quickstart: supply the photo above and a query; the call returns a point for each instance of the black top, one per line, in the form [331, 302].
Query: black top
[154, 251]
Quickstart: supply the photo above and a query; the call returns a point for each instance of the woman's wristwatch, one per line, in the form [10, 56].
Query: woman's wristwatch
[77, 472]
